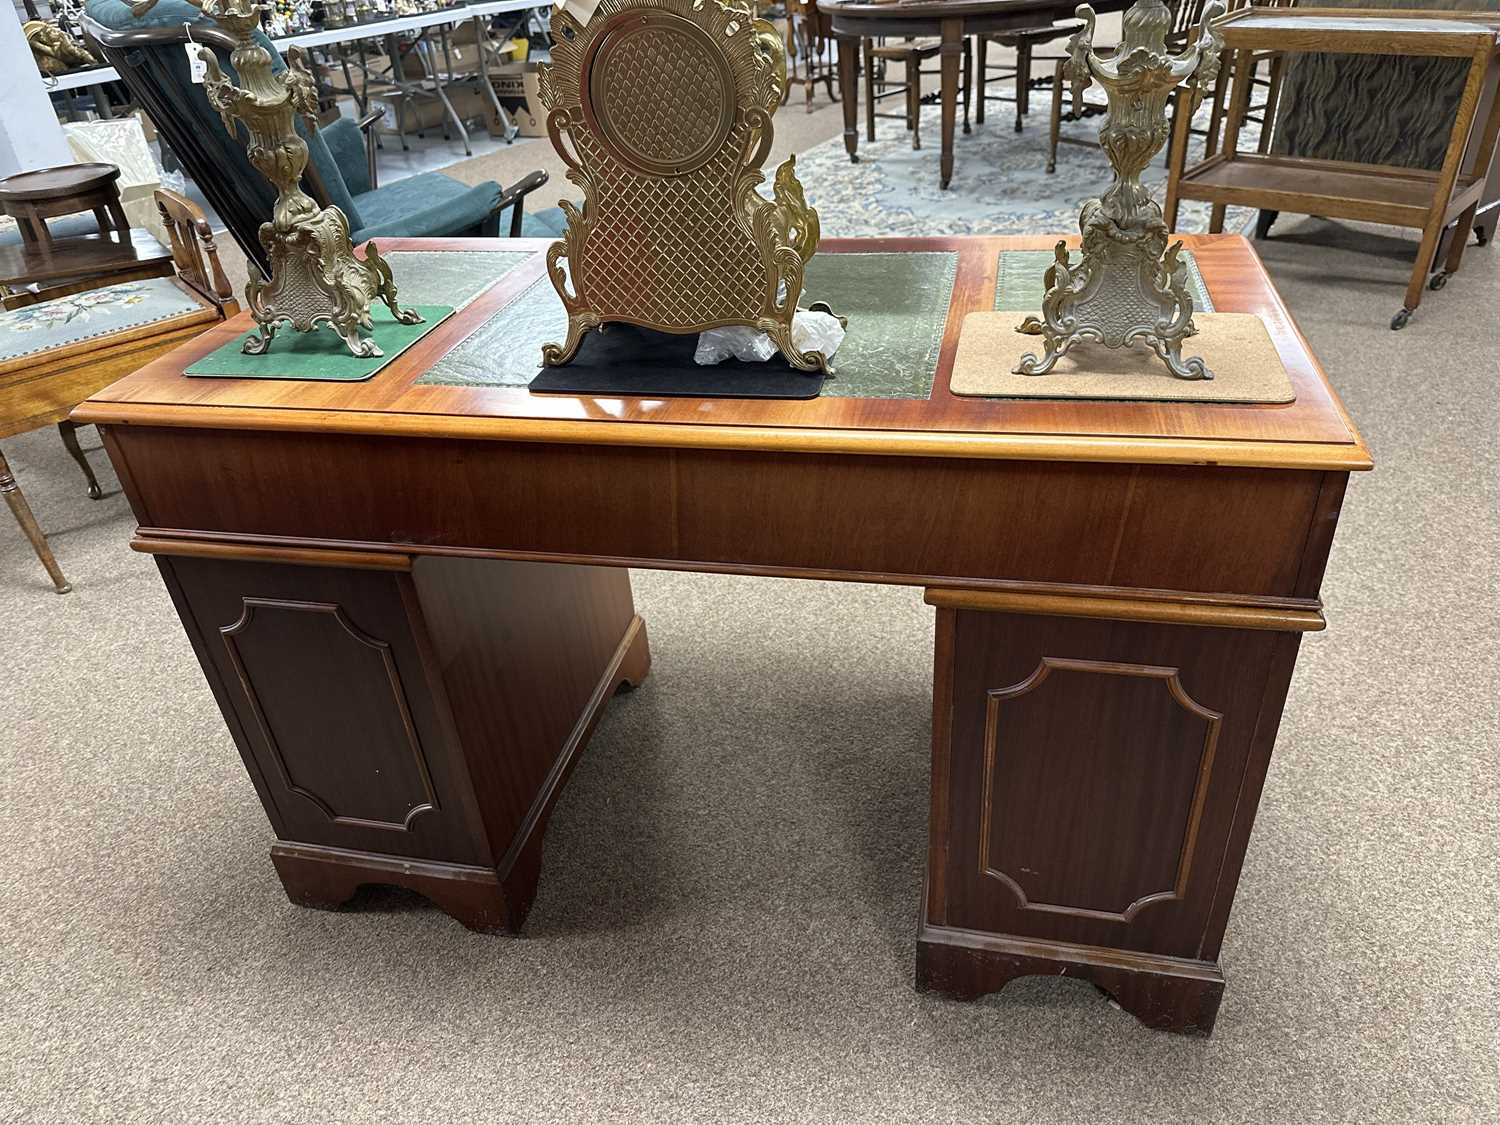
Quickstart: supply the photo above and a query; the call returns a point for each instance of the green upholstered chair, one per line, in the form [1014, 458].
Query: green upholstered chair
[147, 51]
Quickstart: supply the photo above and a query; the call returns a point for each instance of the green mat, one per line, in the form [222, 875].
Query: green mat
[320, 355]
[1022, 283]
[450, 277]
[897, 305]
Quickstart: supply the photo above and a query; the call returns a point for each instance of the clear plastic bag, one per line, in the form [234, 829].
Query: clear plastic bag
[811, 332]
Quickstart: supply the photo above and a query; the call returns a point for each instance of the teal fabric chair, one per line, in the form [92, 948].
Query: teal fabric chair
[147, 51]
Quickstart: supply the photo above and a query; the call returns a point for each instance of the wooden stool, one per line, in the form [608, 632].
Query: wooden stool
[31, 198]
[41, 267]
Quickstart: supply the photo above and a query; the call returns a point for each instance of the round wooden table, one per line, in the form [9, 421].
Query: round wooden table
[949, 20]
[31, 198]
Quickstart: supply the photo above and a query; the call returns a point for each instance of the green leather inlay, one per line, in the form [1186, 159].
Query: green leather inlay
[897, 305]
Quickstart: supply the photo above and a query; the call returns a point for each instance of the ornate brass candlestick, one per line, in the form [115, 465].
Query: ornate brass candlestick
[1129, 285]
[315, 277]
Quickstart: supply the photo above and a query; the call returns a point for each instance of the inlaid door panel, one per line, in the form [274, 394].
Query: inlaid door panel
[1093, 771]
[335, 710]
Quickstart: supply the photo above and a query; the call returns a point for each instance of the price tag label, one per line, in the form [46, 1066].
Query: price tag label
[197, 68]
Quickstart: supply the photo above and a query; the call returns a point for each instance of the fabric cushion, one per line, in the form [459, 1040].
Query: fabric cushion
[346, 144]
[425, 205]
[64, 226]
[551, 223]
[86, 316]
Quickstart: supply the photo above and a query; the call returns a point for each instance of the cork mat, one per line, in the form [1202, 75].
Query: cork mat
[1236, 347]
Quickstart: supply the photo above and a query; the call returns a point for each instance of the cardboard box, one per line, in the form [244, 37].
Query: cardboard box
[518, 86]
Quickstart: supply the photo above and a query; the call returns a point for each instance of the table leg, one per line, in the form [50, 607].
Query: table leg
[1094, 782]
[409, 724]
[849, 93]
[508, 127]
[951, 52]
[22, 511]
[68, 431]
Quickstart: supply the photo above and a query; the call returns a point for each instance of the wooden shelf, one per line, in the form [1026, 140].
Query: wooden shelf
[1323, 187]
[1360, 30]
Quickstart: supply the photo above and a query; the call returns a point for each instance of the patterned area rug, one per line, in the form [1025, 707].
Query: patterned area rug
[1000, 180]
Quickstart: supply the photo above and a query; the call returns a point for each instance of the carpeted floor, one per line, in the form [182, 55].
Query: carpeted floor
[725, 926]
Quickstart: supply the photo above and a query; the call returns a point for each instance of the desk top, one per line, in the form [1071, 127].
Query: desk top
[1313, 432]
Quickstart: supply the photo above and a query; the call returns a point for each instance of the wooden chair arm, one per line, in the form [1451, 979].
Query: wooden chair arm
[513, 195]
[194, 252]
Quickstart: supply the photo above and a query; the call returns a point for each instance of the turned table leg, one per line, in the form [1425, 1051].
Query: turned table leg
[22, 511]
[69, 433]
[848, 51]
[951, 52]
[1094, 782]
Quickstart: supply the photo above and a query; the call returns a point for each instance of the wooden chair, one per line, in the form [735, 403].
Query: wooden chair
[809, 51]
[50, 361]
[910, 54]
[1023, 42]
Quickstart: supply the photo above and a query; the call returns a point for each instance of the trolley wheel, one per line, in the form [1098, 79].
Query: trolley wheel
[1437, 281]
[1398, 321]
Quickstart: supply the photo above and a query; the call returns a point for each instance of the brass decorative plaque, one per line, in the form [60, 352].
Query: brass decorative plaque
[662, 111]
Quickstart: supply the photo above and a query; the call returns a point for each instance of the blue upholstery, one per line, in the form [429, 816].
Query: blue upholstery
[64, 226]
[551, 223]
[426, 205]
[346, 144]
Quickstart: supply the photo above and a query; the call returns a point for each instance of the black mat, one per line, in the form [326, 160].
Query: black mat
[630, 362]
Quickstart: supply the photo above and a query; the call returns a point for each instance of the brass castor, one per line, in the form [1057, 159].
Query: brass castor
[1437, 281]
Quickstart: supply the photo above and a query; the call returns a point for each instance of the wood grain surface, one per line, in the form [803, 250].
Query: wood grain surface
[1312, 432]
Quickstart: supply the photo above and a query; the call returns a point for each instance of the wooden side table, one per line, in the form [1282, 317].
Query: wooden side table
[31, 198]
[1397, 196]
[41, 267]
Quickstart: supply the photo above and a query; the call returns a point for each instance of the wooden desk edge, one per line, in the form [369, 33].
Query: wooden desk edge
[1164, 611]
[1351, 457]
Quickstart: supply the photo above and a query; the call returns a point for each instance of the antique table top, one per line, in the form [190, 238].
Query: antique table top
[1313, 432]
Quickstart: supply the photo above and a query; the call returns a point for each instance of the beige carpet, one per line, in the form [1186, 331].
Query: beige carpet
[725, 926]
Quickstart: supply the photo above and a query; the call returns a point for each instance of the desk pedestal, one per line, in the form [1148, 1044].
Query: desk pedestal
[1094, 784]
[409, 724]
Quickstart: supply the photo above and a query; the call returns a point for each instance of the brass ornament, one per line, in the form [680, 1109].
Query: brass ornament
[1130, 285]
[55, 51]
[661, 110]
[315, 277]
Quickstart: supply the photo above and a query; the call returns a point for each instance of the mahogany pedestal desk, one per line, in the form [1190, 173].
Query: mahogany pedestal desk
[412, 604]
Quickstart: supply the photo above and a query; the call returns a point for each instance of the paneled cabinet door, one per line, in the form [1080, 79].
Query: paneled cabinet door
[1094, 772]
[324, 677]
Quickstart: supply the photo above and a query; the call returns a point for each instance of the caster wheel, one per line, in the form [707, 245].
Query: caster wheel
[1481, 236]
[1438, 281]
[1398, 321]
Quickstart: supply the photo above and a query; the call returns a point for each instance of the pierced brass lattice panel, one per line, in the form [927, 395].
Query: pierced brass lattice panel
[662, 135]
[662, 111]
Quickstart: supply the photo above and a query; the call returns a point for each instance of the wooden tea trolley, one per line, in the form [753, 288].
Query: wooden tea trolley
[1403, 197]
